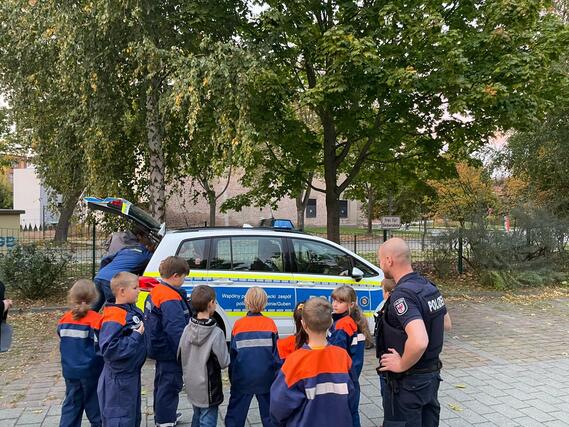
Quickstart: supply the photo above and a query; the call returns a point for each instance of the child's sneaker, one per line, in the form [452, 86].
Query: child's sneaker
[178, 418]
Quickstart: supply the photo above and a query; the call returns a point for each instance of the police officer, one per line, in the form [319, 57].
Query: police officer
[409, 341]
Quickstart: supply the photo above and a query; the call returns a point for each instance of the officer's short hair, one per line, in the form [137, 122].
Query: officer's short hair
[202, 295]
[173, 265]
[317, 314]
[256, 299]
[123, 280]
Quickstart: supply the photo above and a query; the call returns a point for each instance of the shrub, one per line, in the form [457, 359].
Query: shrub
[34, 271]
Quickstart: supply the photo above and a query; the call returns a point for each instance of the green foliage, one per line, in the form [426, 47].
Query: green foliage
[540, 156]
[34, 271]
[6, 194]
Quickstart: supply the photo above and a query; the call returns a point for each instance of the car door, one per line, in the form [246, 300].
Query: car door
[239, 262]
[319, 267]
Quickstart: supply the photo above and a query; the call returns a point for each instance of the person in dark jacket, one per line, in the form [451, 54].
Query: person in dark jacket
[203, 354]
[132, 259]
[5, 305]
[314, 386]
[254, 361]
[166, 314]
[80, 362]
[122, 345]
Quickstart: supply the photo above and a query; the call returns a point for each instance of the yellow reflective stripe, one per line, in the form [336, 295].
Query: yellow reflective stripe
[125, 207]
[276, 276]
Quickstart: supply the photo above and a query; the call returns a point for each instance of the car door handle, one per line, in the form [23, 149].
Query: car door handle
[305, 283]
[223, 282]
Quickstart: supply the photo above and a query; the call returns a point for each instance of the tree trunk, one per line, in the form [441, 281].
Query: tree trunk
[370, 201]
[299, 212]
[212, 200]
[157, 188]
[330, 178]
[65, 213]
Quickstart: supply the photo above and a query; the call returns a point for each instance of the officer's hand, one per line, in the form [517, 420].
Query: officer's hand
[140, 329]
[391, 361]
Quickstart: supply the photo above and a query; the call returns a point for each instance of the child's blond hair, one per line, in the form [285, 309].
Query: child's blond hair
[82, 294]
[317, 314]
[123, 280]
[388, 285]
[256, 299]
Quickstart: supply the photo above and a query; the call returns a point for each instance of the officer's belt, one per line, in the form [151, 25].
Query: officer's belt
[434, 367]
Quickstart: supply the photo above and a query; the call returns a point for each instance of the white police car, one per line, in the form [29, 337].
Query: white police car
[290, 266]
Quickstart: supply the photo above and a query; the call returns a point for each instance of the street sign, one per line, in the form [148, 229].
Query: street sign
[390, 222]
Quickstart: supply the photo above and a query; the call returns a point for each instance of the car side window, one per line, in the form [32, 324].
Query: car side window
[220, 254]
[368, 272]
[193, 251]
[257, 254]
[318, 258]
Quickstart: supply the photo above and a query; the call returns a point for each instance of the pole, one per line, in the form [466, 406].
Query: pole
[355, 243]
[93, 264]
[460, 267]
[384, 235]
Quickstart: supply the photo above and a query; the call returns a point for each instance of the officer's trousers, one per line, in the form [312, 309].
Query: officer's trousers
[412, 401]
[168, 383]
[238, 408]
[80, 395]
[119, 399]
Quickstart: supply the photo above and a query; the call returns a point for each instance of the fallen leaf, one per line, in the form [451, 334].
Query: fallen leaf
[455, 407]
[460, 386]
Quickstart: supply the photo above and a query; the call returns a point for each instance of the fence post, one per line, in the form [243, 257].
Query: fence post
[384, 235]
[93, 264]
[355, 243]
[460, 267]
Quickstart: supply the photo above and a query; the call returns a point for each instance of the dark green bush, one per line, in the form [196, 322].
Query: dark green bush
[33, 271]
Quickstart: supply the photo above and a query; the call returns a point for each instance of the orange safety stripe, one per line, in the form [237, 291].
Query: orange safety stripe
[254, 324]
[162, 293]
[92, 319]
[286, 346]
[308, 363]
[114, 314]
[347, 325]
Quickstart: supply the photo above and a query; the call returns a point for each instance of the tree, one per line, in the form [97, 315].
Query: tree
[208, 100]
[539, 158]
[390, 81]
[468, 196]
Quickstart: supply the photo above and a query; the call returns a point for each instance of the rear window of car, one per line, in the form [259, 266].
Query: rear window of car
[247, 253]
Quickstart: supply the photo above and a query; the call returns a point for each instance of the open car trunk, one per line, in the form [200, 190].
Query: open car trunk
[141, 220]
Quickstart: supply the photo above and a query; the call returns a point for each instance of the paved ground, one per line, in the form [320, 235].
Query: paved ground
[506, 364]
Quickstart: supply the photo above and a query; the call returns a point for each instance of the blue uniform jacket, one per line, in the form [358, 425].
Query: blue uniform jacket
[344, 333]
[133, 260]
[78, 345]
[254, 354]
[314, 388]
[166, 314]
[123, 350]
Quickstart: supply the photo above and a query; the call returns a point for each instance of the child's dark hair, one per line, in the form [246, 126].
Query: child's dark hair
[81, 296]
[348, 295]
[173, 265]
[202, 295]
[388, 285]
[300, 333]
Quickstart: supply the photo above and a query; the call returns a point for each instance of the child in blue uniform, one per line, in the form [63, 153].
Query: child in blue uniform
[254, 361]
[346, 332]
[122, 345]
[314, 387]
[166, 314]
[81, 366]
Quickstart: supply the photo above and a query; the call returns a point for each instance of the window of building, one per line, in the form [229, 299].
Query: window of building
[343, 208]
[311, 208]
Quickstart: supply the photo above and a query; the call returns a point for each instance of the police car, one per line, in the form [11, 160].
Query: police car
[291, 266]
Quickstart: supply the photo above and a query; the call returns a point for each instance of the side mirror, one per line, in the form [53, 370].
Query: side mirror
[357, 274]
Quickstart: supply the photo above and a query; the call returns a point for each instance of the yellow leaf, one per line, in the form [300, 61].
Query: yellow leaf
[455, 407]
[460, 386]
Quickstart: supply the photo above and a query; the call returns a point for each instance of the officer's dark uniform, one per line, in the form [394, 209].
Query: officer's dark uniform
[410, 398]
